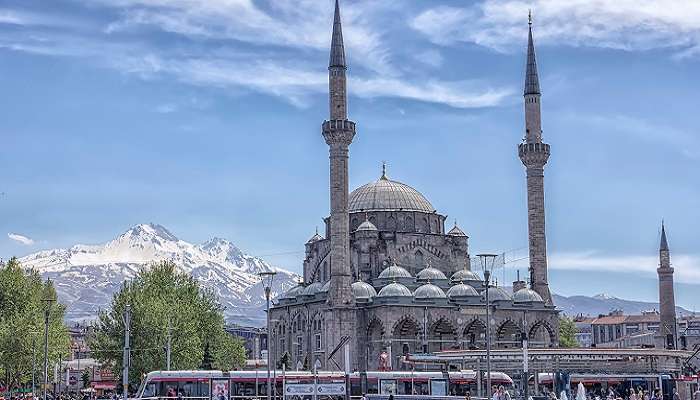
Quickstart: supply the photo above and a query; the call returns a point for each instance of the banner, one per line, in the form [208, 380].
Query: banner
[219, 389]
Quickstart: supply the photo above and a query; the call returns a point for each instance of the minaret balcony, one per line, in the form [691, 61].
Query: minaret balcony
[338, 131]
[534, 154]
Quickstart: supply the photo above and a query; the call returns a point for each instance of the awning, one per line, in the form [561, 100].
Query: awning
[104, 385]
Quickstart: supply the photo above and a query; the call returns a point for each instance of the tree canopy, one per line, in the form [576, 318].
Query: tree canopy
[23, 301]
[567, 333]
[162, 299]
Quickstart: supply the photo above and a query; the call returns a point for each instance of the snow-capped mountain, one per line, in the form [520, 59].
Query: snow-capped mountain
[86, 276]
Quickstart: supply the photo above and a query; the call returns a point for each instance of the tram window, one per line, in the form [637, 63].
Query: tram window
[355, 388]
[372, 387]
[168, 389]
[149, 390]
[387, 386]
[420, 388]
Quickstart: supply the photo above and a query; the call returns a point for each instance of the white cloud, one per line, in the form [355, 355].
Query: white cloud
[687, 266]
[166, 108]
[619, 24]
[20, 238]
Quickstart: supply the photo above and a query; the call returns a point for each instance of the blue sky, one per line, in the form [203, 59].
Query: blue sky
[204, 116]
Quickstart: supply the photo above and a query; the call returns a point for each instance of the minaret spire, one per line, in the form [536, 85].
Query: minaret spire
[534, 154]
[336, 71]
[668, 330]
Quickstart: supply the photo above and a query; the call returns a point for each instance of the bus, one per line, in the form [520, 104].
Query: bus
[305, 385]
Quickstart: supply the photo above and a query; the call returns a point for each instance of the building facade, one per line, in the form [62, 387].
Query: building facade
[389, 279]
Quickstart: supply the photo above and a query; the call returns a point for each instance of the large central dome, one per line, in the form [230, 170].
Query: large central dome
[386, 194]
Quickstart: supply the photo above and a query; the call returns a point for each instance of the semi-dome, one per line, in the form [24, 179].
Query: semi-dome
[315, 238]
[326, 287]
[496, 294]
[395, 289]
[455, 231]
[526, 295]
[312, 289]
[386, 194]
[430, 274]
[363, 291]
[366, 226]
[293, 292]
[465, 275]
[462, 290]
[393, 271]
[429, 292]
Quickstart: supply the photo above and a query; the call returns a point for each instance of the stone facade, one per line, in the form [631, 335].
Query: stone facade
[387, 279]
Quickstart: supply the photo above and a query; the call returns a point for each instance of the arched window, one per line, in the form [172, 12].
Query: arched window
[419, 260]
[391, 224]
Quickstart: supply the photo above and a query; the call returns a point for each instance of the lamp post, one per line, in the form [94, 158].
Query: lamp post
[487, 261]
[47, 314]
[267, 278]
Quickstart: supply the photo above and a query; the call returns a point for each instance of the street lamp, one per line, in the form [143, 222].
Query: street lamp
[47, 313]
[267, 277]
[487, 261]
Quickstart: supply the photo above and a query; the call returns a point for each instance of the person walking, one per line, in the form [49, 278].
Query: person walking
[696, 395]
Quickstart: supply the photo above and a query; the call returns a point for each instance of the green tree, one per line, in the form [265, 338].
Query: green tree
[207, 359]
[23, 303]
[567, 333]
[161, 297]
[85, 378]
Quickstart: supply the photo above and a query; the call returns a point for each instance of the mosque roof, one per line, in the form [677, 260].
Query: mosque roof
[395, 289]
[526, 295]
[496, 293]
[366, 226]
[385, 194]
[465, 275]
[429, 291]
[363, 290]
[462, 290]
[430, 274]
[312, 289]
[393, 271]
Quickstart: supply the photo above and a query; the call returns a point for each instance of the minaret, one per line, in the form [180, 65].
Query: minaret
[534, 154]
[667, 302]
[338, 132]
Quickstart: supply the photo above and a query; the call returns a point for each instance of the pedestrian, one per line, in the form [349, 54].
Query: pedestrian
[676, 396]
[391, 396]
[468, 396]
[364, 396]
[696, 395]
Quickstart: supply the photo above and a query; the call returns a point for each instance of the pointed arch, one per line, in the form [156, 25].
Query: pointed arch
[375, 342]
[406, 336]
[442, 335]
[508, 335]
[541, 335]
[474, 334]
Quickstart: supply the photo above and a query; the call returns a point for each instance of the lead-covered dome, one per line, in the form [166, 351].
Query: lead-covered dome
[496, 294]
[312, 289]
[430, 274]
[393, 271]
[429, 292]
[363, 291]
[526, 295]
[395, 290]
[462, 290]
[386, 194]
[465, 275]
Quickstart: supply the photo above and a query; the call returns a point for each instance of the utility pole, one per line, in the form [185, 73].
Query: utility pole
[33, 365]
[126, 359]
[47, 313]
[167, 351]
[526, 374]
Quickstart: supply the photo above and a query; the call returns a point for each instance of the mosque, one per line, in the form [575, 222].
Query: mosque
[388, 279]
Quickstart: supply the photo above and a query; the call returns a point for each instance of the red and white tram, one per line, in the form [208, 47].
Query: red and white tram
[304, 385]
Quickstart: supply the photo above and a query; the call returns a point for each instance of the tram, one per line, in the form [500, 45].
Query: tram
[304, 385]
[621, 384]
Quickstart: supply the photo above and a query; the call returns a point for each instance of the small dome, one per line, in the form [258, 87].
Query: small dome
[465, 275]
[315, 238]
[526, 295]
[462, 290]
[326, 287]
[430, 274]
[395, 290]
[293, 292]
[363, 290]
[366, 226]
[455, 231]
[496, 294]
[429, 291]
[312, 289]
[393, 271]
